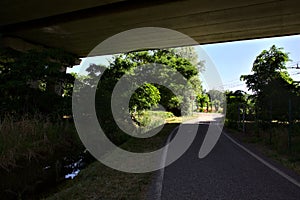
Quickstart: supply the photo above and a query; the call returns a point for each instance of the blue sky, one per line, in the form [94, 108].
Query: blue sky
[232, 59]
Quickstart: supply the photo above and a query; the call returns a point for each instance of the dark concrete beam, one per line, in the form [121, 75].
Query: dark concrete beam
[87, 13]
[18, 44]
[83, 26]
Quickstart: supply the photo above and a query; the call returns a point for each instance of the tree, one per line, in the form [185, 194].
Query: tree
[144, 98]
[217, 98]
[267, 67]
[216, 103]
[191, 55]
[33, 82]
[270, 81]
[165, 57]
[196, 85]
[236, 104]
[202, 101]
[237, 96]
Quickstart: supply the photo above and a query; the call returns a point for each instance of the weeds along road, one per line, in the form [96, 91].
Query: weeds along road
[228, 172]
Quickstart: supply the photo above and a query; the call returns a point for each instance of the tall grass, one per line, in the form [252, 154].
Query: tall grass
[34, 138]
[273, 135]
[149, 120]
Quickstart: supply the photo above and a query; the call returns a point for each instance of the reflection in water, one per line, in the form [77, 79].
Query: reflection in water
[72, 175]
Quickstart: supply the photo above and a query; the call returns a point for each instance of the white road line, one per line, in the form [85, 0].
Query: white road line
[159, 180]
[275, 169]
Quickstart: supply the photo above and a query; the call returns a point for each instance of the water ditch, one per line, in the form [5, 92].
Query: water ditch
[37, 179]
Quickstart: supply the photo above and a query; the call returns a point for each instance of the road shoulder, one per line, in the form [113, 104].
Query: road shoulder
[270, 156]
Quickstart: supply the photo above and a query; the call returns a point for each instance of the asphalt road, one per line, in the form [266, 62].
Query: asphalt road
[228, 172]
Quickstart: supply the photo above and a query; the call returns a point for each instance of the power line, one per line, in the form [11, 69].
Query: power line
[294, 66]
[229, 86]
[237, 82]
[295, 73]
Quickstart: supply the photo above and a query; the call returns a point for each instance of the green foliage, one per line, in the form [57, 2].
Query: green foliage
[144, 98]
[216, 95]
[152, 119]
[236, 102]
[267, 67]
[217, 104]
[165, 57]
[270, 81]
[35, 94]
[196, 84]
[202, 101]
[191, 55]
[237, 96]
[28, 81]
[217, 98]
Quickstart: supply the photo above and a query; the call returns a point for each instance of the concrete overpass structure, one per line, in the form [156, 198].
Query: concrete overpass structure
[78, 26]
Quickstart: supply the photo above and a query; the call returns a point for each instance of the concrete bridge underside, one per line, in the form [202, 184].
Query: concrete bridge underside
[78, 26]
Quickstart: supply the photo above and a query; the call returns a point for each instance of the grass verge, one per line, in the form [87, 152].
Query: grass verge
[290, 161]
[34, 138]
[98, 181]
[28, 144]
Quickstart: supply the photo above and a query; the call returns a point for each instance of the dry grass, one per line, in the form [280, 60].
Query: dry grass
[33, 138]
[180, 119]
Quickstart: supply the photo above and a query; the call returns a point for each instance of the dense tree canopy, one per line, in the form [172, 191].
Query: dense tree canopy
[271, 84]
[35, 81]
[146, 96]
[202, 101]
[126, 63]
[268, 67]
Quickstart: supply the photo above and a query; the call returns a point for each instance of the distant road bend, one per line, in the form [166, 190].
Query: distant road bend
[228, 172]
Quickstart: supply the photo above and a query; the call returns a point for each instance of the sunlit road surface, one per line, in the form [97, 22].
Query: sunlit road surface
[206, 118]
[228, 172]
